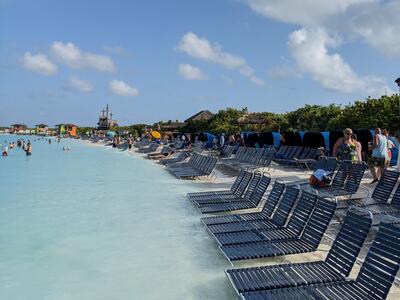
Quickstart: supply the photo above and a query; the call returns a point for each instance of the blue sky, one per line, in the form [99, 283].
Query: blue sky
[63, 61]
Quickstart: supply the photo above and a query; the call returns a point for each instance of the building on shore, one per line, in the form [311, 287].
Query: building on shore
[41, 129]
[105, 120]
[203, 115]
[66, 129]
[170, 128]
[18, 128]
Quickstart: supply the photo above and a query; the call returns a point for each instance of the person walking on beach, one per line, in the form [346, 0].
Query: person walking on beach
[390, 146]
[379, 156]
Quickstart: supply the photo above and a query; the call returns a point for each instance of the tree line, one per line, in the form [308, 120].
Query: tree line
[373, 112]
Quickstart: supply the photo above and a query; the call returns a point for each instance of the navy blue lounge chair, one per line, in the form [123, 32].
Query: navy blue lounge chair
[246, 186]
[180, 158]
[231, 191]
[307, 242]
[381, 193]
[255, 231]
[373, 281]
[336, 267]
[262, 221]
[266, 212]
[346, 181]
[250, 200]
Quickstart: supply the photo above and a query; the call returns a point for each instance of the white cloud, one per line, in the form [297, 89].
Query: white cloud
[309, 49]
[374, 21]
[38, 63]
[121, 88]
[80, 85]
[190, 72]
[74, 57]
[378, 25]
[305, 12]
[201, 48]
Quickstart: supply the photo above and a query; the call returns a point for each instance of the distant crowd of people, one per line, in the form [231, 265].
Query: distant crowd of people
[25, 146]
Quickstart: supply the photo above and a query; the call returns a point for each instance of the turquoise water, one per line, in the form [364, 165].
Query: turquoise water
[94, 223]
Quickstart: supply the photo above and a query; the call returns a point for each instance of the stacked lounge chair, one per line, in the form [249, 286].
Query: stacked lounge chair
[227, 150]
[237, 191]
[259, 231]
[266, 212]
[336, 267]
[346, 180]
[198, 165]
[373, 281]
[180, 158]
[251, 157]
[251, 199]
[380, 195]
[151, 148]
[271, 219]
[307, 242]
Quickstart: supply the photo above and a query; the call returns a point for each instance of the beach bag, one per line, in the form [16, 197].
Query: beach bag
[320, 178]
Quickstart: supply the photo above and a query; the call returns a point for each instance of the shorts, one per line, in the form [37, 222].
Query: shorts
[376, 162]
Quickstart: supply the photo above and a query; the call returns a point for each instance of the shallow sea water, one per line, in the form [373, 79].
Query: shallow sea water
[96, 223]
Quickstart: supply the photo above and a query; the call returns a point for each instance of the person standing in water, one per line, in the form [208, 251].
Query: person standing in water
[5, 151]
[28, 150]
[130, 144]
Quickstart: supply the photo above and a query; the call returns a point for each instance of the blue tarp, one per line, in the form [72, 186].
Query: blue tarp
[302, 134]
[277, 138]
[111, 133]
[326, 138]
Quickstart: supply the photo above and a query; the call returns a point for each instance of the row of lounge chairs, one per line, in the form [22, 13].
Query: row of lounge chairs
[197, 165]
[179, 158]
[385, 198]
[294, 156]
[260, 157]
[152, 147]
[248, 194]
[294, 221]
[299, 156]
[228, 150]
[329, 279]
[346, 181]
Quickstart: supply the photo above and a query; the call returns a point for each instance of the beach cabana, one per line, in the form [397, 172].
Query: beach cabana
[265, 138]
[334, 135]
[364, 136]
[292, 138]
[313, 139]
